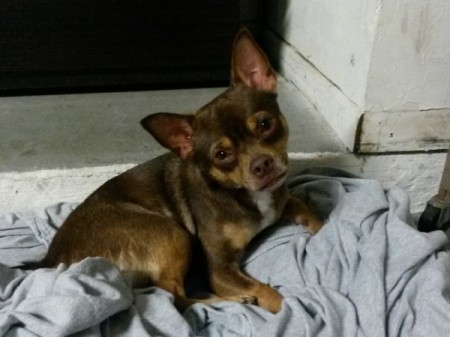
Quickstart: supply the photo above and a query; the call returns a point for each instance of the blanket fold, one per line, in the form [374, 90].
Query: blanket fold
[368, 272]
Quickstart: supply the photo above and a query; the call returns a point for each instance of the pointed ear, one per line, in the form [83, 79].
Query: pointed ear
[250, 66]
[172, 131]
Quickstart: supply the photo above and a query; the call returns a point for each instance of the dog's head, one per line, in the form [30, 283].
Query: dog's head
[239, 139]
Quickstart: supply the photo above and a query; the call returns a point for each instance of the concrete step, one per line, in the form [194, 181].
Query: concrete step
[61, 147]
[82, 130]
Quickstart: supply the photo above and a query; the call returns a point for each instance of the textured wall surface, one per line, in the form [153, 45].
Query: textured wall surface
[359, 61]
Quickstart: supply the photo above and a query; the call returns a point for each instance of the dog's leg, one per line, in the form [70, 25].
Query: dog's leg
[228, 280]
[149, 248]
[182, 302]
[299, 212]
[173, 281]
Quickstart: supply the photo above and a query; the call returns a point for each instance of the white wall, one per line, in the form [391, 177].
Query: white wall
[371, 67]
[336, 37]
[410, 65]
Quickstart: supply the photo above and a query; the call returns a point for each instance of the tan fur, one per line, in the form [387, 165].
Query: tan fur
[238, 236]
[148, 219]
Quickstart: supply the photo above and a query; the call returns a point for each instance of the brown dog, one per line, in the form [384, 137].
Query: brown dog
[222, 184]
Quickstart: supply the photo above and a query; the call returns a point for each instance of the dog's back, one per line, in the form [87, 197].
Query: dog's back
[123, 221]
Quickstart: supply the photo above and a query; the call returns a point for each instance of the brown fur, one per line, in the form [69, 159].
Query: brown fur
[222, 184]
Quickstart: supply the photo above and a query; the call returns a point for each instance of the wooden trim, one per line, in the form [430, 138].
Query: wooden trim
[426, 130]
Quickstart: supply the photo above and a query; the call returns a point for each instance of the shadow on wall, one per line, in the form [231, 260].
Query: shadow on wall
[274, 20]
[263, 16]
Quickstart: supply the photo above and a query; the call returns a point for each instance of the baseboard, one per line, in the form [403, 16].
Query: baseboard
[403, 131]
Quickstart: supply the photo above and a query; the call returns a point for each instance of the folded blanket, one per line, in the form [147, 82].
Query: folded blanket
[368, 272]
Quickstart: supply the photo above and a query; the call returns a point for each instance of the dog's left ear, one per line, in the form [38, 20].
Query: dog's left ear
[172, 131]
[250, 65]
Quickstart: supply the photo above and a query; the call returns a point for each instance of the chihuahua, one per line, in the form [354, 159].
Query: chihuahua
[221, 184]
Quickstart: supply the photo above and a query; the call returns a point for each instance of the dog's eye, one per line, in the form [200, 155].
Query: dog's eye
[266, 127]
[221, 155]
[224, 157]
[265, 124]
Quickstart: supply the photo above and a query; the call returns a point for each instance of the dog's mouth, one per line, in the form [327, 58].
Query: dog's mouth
[273, 182]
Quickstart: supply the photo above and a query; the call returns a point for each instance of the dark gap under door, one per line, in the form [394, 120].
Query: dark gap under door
[91, 45]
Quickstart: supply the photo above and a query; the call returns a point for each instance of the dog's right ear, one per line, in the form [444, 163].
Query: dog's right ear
[172, 131]
[250, 65]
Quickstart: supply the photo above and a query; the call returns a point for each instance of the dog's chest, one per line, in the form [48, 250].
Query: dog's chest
[265, 204]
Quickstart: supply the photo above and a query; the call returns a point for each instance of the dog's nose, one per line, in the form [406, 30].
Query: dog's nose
[261, 165]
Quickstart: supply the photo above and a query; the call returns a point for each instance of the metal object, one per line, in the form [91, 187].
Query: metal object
[436, 215]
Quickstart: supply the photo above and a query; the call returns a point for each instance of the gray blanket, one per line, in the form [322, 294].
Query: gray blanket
[368, 272]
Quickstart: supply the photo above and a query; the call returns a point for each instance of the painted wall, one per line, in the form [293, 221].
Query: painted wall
[371, 67]
[410, 65]
[336, 37]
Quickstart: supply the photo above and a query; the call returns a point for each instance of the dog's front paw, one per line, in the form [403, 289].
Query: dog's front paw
[312, 223]
[298, 211]
[269, 299]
